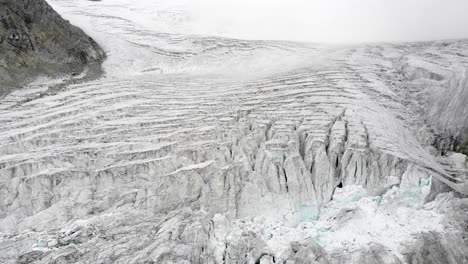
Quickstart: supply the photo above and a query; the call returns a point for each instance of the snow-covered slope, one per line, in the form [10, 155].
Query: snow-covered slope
[197, 149]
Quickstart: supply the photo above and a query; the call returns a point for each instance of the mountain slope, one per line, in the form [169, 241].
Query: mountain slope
[35, 40]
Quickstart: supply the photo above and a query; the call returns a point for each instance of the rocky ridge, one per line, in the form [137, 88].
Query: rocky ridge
[35, 40]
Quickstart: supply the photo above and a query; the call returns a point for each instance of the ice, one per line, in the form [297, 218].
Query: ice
[198, 148]
[354, 219]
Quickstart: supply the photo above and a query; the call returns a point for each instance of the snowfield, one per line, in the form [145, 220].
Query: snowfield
[196, 148]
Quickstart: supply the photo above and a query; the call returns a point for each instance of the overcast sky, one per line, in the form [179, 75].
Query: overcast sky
[333, 20]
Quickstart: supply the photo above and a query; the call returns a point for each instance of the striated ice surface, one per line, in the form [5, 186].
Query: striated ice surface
[201, 149]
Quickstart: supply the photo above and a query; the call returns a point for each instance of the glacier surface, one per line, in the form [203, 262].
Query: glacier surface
[205, 149]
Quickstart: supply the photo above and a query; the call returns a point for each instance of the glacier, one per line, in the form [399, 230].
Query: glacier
[197, 148]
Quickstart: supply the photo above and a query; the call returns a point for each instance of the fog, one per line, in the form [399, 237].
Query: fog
[332, 20]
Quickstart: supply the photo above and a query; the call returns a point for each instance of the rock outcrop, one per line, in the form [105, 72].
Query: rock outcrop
[35, 40]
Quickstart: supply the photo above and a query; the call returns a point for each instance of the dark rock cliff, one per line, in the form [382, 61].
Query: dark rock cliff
[34, 39]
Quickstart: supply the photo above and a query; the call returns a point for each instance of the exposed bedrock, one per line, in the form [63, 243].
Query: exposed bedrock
[35, 40]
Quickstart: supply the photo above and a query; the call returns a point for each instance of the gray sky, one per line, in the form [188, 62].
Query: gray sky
[334, 20]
